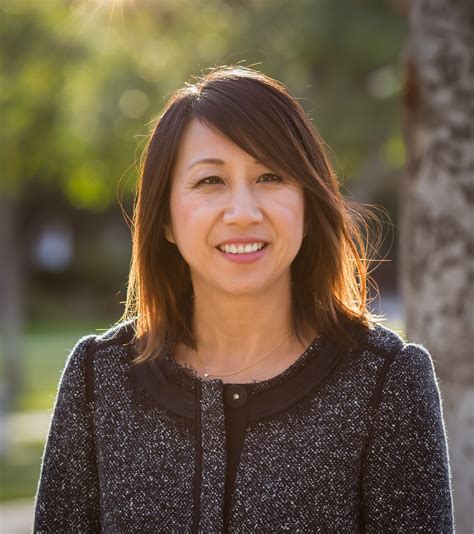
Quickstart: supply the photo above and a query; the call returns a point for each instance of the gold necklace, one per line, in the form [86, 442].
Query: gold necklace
[207, 375]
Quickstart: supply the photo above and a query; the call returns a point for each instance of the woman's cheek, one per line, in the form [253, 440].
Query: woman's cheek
[191, 225]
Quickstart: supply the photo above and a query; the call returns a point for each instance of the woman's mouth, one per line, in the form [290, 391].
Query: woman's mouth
[241, 253]
[239, 248]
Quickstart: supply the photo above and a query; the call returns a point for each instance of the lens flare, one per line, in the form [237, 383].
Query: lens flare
[113, 9]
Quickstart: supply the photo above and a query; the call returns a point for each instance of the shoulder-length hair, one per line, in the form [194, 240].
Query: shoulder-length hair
[257, 113]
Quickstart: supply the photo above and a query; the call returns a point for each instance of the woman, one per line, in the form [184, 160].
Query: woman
[250, 390]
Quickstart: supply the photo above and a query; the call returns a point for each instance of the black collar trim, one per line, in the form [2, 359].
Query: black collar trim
[183, 402]
[178, 400]
[307, 380]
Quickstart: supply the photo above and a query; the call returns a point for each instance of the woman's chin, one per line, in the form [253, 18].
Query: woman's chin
[244, 288]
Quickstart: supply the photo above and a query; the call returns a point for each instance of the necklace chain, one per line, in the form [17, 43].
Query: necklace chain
[207, 375]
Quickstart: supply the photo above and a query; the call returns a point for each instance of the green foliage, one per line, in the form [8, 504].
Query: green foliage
[82, 80]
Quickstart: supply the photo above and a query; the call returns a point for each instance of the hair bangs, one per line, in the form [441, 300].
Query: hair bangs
[265, 131]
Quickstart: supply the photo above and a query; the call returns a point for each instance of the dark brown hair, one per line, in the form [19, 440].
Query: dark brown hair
[257, 113]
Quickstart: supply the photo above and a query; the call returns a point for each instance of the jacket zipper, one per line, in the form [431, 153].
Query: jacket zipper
[198, 464]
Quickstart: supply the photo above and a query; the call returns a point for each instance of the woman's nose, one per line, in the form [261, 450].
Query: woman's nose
[242, 208]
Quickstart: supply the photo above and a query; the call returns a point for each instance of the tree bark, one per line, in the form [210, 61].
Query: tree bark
[436, 225]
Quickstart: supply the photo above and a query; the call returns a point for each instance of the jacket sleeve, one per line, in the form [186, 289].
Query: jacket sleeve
[67, 499]
[406, 480]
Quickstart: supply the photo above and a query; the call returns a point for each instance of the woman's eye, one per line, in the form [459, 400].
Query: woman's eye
[270, 178]
[211, 180]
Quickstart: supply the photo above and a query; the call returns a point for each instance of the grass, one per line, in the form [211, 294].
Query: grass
[20, 471]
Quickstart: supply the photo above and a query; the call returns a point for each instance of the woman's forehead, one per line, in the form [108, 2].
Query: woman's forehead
[202, 144]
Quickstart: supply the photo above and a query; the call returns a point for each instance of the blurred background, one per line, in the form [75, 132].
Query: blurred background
[82, 82]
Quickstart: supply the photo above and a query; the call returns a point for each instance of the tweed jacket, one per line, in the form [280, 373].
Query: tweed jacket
[344, 440]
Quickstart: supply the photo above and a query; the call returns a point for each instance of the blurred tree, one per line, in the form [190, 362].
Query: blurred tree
[31, 70]
[82, 78]
[436, 236]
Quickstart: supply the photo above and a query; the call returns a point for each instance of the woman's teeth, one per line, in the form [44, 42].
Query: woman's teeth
[241, 249]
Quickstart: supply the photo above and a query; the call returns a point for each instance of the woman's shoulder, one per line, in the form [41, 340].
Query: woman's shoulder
[118, 338]
[108, 351]
[380, 339]
[387, 342]
[400, 364]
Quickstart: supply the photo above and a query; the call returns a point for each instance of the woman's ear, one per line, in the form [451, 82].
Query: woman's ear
[168, 233]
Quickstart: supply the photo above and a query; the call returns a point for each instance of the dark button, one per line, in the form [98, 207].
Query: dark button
[235, 395]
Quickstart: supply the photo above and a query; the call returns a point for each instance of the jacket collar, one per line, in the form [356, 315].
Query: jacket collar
[324, 358]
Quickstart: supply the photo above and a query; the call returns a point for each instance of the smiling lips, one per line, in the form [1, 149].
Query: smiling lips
[243, 249]
[240, 248]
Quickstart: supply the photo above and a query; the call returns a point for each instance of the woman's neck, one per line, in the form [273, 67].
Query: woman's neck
[240, 328]
[234, 332]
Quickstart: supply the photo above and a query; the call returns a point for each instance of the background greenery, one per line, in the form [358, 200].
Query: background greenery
[81, 85]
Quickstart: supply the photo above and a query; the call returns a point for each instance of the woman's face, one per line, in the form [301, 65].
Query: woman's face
[237, 224]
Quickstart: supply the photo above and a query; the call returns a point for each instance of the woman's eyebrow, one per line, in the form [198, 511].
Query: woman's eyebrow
[214, 161]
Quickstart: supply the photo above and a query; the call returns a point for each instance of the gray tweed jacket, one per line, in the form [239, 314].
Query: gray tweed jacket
[342, 441]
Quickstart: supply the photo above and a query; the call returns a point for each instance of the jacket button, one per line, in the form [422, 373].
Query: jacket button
[235, 395]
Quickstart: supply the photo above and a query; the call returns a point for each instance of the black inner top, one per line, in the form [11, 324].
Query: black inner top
[236, 421]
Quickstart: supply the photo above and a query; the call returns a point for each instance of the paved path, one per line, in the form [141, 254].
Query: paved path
[16, 517]
[28, 426]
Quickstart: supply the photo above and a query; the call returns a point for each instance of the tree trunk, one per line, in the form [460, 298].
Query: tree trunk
[436, 225]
